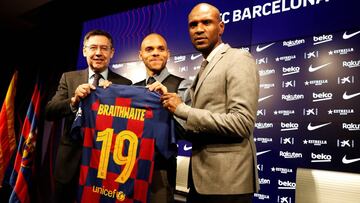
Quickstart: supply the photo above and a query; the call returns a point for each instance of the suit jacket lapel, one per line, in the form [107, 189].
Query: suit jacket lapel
[83, 76]
[210, 67]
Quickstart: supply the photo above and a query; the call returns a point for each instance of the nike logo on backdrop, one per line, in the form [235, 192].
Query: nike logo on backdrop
[186, 148]
[311, 128]
[263, 98]
[193, 57]
[259, 49]
[349, 161]
[348, 36]
[263, 152]
[311, 69]
[350, 96]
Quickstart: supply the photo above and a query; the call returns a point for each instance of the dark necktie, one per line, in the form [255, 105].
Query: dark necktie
[202, 67]
[150, 81]
[96, 77]
[201, 70]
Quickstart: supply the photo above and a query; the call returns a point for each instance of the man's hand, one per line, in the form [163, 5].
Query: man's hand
[158, 87]
[171, 101]
[81, 92]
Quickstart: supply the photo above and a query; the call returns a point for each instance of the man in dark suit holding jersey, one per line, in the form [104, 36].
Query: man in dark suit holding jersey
[74, 86]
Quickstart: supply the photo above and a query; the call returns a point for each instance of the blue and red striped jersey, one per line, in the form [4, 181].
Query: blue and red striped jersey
[120, 127]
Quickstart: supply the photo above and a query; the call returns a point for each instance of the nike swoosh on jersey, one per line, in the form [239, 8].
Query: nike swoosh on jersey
[259, 49]
[348, 36]
[263, 152]
[186, 148]
[263, 98]
[311, 69]
[349, 161]
[311, 128]
[193, 57]
[350, 96]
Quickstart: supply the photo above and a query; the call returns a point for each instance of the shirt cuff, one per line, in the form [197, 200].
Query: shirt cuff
[182, 111]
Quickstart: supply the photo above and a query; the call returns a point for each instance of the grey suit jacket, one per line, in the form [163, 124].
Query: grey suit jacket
[221, 121]
[69, 150]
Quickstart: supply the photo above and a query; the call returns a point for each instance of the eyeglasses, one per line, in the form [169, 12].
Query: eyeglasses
[94, 48]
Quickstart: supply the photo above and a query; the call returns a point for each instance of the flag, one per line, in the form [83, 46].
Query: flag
[21, 177]
[7, 132]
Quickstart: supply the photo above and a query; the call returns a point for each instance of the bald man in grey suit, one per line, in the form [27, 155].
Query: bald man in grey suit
[220, 121]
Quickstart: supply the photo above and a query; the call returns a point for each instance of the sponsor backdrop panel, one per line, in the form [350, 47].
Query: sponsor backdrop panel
[308, 57]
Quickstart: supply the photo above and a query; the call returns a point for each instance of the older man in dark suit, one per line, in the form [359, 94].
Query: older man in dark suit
[220, 121]
[73, 86]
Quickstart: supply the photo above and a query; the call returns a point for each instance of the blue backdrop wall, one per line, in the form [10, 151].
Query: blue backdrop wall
[308, 56]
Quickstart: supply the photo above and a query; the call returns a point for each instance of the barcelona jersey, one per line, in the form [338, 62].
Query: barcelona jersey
[120, 127]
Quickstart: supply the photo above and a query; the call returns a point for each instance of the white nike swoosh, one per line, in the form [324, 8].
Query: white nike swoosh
[346, 96]
[186, 148]
[259, 49]
[263, 152]
[193, 57]
[311, 69]
[349, 161]
[311, 128]
[263, 98]
[348, 36]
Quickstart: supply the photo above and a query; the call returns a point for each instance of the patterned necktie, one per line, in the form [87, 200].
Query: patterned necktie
[96, 77]
[150, 81]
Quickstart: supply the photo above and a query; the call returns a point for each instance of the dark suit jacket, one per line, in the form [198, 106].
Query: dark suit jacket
[69, 151]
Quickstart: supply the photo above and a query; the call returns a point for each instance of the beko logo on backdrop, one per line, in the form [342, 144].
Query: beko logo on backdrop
[178, 59]
[292, 43]
[266, 72]
[263, 140]
[261, 196]
[284, 112]
[269, 8]
[315, 82]
[292, 97]
[315, 142]
[285, 58]
[341, 51]
[351, 126]
[322, 39]
[323, 96]
[286, 185]
[281, 170]
[290, 155]
[263, 125]
[289, 126]
[341, 112]
[320, 157]
[290, 70]
[267, 86]
[351, 64]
